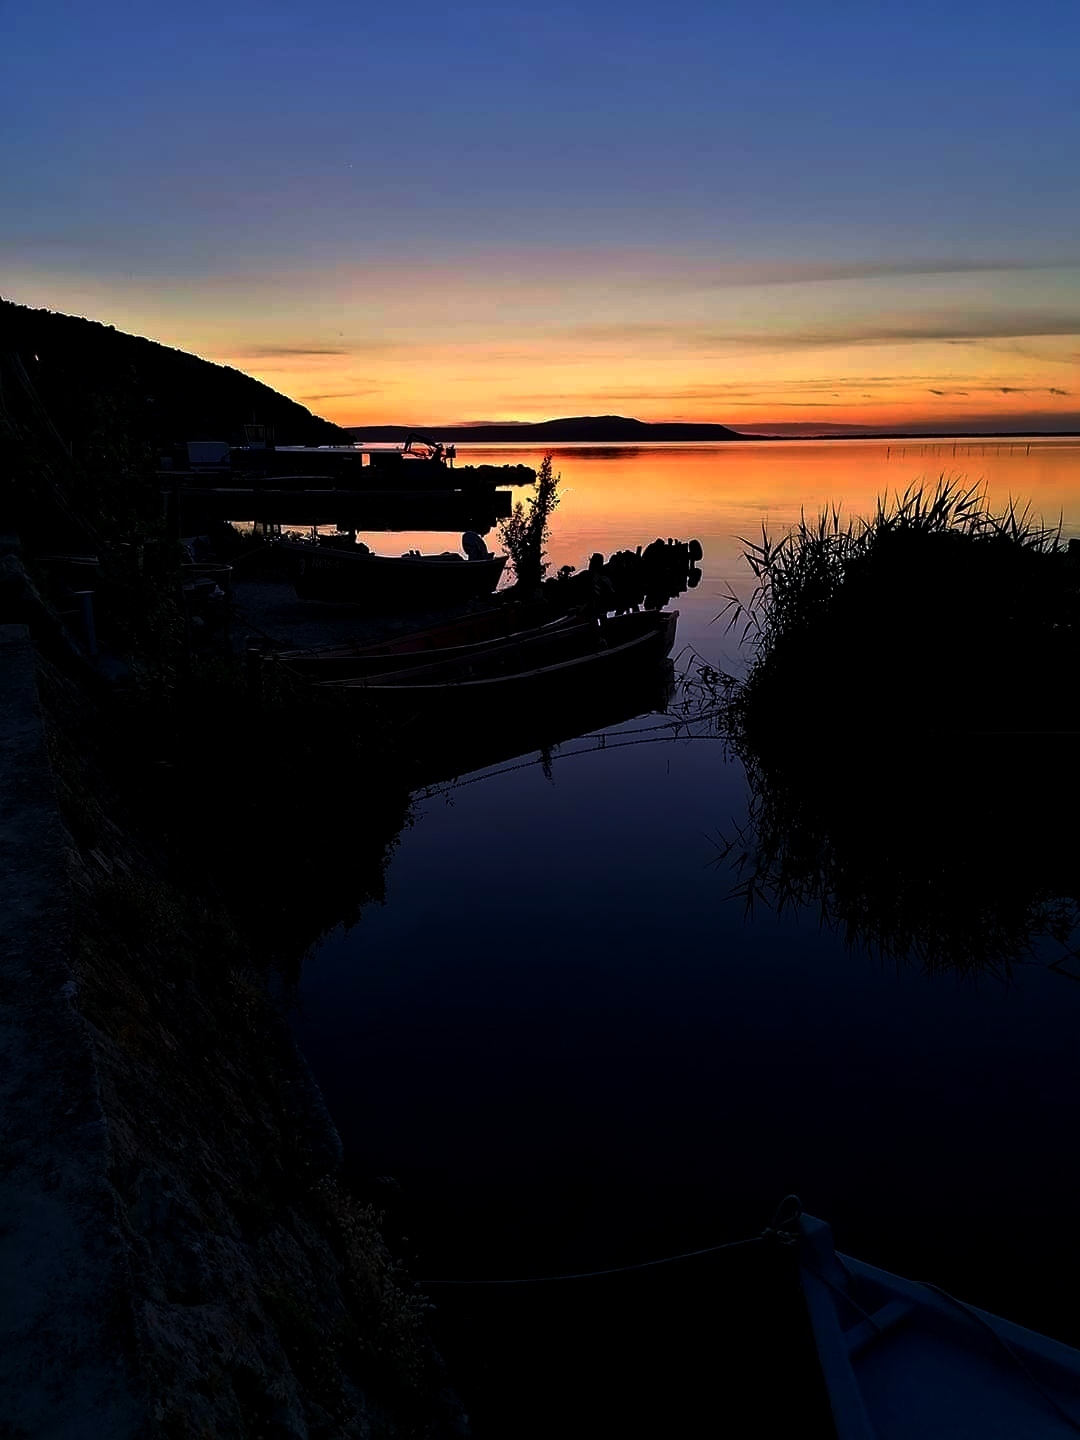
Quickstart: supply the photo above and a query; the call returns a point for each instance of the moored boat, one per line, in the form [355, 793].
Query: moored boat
[352, 574]
[457, 640]
[903, 1360]
[452, 715]
[455, 715]
[484, 623]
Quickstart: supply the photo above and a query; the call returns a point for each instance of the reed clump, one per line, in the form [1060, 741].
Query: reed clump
[906, 723]
[938, 612]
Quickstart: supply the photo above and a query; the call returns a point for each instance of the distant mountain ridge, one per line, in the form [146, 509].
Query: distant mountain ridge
[576, 429]
[77, 365]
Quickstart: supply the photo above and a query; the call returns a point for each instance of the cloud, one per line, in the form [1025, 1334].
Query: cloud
[274, 352]
[657, 271]
[887, 330]
[1055, 391]
[344, 394]
[808, 272]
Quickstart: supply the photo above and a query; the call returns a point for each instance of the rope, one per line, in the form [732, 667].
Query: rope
[603, 741]
[593, 1274]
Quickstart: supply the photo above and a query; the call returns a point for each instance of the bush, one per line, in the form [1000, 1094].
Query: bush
[524, 535]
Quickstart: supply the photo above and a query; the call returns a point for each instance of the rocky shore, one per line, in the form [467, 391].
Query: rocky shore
[181, 1258]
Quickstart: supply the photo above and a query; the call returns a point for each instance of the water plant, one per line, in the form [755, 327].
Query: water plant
[935, 606]
[524, 534]
[912, 689]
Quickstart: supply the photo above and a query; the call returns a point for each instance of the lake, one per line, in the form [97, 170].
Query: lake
[570, 1049]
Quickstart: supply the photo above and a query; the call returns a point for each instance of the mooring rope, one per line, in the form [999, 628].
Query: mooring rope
[616, 1270]
[601, 741]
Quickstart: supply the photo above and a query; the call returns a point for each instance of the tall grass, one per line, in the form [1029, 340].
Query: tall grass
[802, 574]
[912, 698]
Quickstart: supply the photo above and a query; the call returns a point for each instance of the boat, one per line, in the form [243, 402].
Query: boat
[526, 692]
[454, 716]
[418, 463]
[903, 1360]
[531, 662]
[458, 640]
[341, 571]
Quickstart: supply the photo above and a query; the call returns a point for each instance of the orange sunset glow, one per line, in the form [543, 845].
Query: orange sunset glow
[528, 336]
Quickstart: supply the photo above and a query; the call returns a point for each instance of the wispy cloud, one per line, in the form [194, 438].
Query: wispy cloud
[776, 272]
[883, 330]
[284, 352]
[344, 394]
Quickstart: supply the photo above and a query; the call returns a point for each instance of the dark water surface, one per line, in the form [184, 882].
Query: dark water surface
[570, 1049]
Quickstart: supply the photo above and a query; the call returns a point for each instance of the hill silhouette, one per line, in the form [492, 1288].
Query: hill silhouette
[576, 429]
[78, 366]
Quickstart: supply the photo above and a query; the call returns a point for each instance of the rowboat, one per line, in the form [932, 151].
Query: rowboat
[456, 715]
[458, 638]
[545, 662]
[903, 1360]
[350, 573]
[346, 667]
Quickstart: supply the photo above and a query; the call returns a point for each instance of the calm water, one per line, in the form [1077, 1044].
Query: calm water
[570, 1049]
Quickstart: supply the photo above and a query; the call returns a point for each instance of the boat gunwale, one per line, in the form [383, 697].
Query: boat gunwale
[420, 659]
[656, 633]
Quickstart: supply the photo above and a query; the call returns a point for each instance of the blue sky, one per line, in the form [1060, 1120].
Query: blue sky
[180, 174]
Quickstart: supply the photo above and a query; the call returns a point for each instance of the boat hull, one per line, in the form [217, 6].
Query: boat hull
[458, 641]
[386, 582]
[905, 1361]
[450, 723]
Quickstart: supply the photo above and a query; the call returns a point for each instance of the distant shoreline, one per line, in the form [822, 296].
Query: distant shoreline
[615, 430]
[955, 435]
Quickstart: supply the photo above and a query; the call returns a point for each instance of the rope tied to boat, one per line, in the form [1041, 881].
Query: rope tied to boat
[783, 1230]
[784, 1227]
[615, 1270]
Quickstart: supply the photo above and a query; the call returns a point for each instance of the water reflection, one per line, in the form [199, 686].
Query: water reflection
[458, 749]
[962, 869]
[571, 1052]
[904, 677]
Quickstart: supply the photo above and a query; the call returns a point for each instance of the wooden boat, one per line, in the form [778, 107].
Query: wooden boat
[452, 639]
[532, 661]
[589, 677]
[905, 1361]
[453, 715]
[351, 574]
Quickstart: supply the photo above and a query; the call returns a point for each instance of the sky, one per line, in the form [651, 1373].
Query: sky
[778, 216]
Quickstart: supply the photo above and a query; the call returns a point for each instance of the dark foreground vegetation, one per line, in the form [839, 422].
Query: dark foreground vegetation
[907, 724]
[213, 837]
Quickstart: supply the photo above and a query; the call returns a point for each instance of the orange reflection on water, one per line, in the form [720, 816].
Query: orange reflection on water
[616, 496]
[620, 496]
